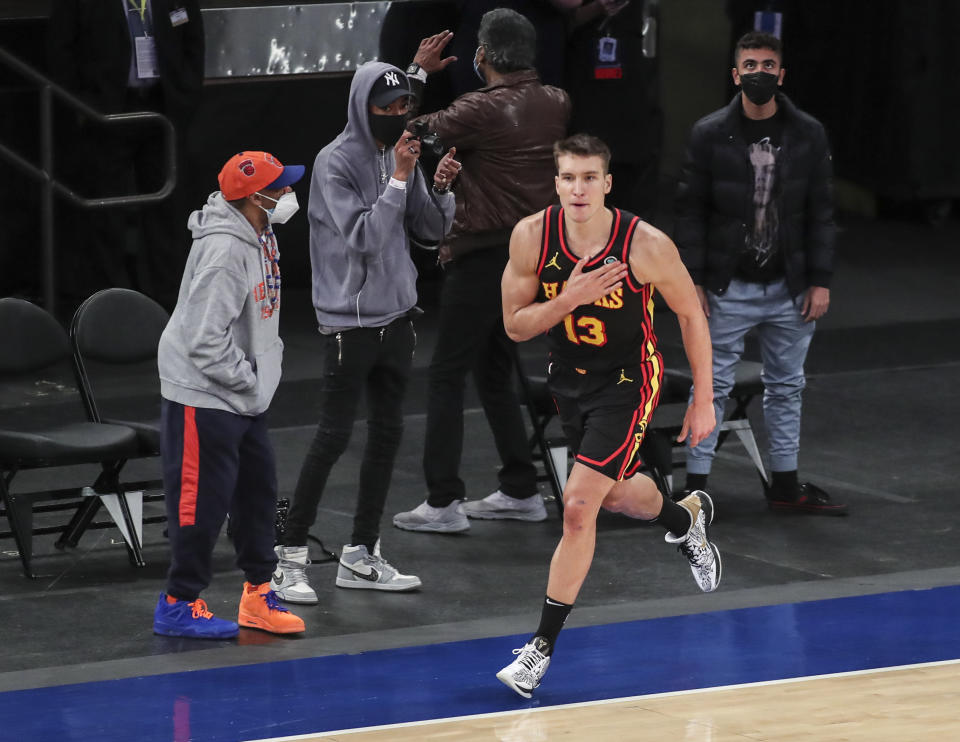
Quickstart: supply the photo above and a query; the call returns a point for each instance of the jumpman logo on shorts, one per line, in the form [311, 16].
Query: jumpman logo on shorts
[623, 377]
[553, 262]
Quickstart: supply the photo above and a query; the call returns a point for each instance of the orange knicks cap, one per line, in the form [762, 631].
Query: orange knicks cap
[249, 172]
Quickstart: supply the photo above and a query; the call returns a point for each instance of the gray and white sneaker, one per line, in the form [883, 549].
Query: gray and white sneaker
[499, 506]
[428, 519]
[365, 571]
[703, 556]
[525, 673]
[289, 580]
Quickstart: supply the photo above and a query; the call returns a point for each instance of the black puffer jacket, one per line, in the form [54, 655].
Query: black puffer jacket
[715, 199]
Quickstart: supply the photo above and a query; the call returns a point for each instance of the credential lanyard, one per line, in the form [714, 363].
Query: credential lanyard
[142, 10]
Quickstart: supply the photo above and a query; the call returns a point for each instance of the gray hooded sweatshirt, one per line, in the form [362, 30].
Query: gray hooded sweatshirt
[363, 275]
[221, 348]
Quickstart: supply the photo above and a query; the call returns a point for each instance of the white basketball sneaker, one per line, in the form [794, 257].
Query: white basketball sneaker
[499, 506]
[525, 673]
[428, 519]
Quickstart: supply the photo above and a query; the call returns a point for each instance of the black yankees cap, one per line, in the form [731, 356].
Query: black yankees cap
[391, 85]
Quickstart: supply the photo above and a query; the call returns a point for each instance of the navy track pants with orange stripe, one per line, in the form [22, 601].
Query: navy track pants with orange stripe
[216, 462]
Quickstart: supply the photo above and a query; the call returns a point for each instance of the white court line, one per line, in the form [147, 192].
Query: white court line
[607, 701]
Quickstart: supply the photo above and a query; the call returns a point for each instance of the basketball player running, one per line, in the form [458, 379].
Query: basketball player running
[584, 274]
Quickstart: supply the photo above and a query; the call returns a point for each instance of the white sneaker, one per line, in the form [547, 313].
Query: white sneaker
[527, 670]
[365, 571]
[703, 556]
[289, 581]
[428, 519]
[499, 506]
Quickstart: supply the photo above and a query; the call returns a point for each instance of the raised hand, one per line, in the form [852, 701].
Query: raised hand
[429, 51]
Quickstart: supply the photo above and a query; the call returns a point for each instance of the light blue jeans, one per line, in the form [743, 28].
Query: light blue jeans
[784, 341]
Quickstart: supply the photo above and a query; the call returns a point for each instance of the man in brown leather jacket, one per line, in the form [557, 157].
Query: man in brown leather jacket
[503, 134]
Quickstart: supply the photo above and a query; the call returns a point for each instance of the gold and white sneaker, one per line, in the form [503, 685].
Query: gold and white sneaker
[703, 556]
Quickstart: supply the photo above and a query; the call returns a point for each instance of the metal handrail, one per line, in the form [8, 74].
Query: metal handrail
[44, 173]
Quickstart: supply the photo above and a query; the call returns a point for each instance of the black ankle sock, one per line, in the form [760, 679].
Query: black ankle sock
[785, 483]
[552, 618]
[675, 518]
[696, 481]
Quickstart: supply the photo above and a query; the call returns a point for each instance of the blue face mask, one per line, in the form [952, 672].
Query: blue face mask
[476, 66]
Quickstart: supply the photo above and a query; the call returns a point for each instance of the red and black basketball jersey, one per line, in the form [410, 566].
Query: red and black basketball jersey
[615, 331]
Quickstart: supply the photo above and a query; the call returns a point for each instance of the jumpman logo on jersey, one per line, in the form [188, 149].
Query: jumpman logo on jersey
[553, 262]
[623, 377]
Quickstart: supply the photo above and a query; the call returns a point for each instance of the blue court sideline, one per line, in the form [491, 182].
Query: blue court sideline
[443, 680]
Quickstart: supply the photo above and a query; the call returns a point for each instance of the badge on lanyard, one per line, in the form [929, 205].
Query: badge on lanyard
[178, 17]
[607, 59]
[146, 58]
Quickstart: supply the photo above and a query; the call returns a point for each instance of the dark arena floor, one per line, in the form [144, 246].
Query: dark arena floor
[79, 661]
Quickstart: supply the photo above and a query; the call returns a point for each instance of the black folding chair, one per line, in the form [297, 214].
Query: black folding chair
[35, 343]
[114, 335]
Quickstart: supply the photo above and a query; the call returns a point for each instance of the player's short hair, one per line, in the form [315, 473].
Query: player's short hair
[582, 145]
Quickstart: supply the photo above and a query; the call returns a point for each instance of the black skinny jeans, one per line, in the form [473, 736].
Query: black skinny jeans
[376, 360]
[471, 338]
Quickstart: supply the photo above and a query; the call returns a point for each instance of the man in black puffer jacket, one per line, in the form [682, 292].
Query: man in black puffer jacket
[755, 230]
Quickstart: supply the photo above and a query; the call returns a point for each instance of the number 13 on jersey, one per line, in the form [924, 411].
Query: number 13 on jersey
[589, 330]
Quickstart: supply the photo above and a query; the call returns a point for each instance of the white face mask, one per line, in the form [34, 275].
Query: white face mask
[286, 206]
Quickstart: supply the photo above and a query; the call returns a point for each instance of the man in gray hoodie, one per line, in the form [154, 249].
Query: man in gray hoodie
[219, 363]
[367, 194]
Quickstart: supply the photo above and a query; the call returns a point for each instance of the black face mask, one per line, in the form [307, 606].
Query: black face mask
[759, 87]
[387, 129]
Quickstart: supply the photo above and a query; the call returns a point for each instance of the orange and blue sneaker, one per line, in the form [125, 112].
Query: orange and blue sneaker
[260, 609]
[174, 617]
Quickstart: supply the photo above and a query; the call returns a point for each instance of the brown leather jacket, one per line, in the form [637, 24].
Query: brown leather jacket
[504, 135]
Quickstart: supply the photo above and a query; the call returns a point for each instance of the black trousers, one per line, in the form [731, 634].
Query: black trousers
[472, 339]
[375, 361]
[215, 462]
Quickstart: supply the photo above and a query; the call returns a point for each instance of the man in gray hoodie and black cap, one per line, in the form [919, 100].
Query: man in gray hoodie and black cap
[366, 194]
[219, 363]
